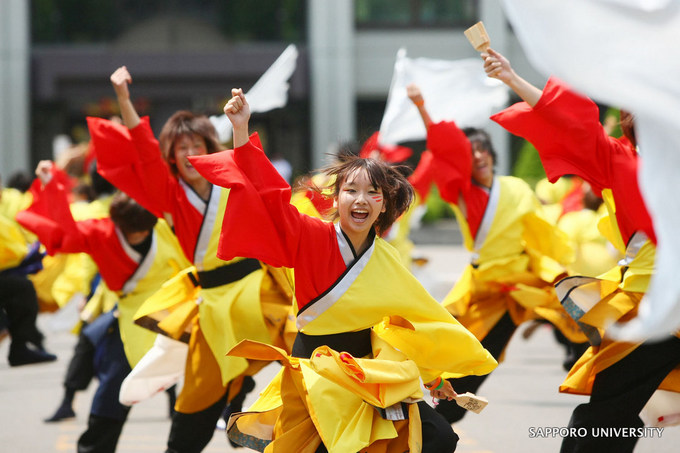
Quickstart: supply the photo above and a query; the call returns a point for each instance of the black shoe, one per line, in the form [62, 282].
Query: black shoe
[63, 413]
[23, 355]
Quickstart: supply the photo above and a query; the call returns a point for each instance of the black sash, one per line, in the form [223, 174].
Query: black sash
[227, 274]
[358, 344]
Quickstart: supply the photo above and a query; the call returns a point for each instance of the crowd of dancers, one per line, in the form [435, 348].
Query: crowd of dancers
[207, 264]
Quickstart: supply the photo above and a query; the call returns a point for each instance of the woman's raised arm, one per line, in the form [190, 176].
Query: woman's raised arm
[238, 112]
[414, 94]
[498, 67]
[120, 80]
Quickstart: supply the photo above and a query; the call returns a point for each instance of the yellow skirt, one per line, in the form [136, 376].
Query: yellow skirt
[332, 398]
[620, 306]
[479, 304]
[212, 321]
[43, 281]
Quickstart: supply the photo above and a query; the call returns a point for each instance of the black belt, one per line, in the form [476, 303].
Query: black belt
[356, 343]
[227, 274]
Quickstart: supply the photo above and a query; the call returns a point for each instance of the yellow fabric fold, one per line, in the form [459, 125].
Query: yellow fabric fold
[13, 245]
[43, 281]
[254, 307]
[381, 383]
[102, 301]
[178, 294]
[307, 388]
[202, 381]
[479, 303]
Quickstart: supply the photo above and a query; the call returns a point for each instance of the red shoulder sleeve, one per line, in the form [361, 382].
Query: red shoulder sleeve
[452, 159]
[565, 129]
[120, 162]
[423, 176]
[49, 217]
[259, 221]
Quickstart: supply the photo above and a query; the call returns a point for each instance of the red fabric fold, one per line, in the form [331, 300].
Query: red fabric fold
[254, 184]
[119, 160]
[49, 217]
[565, 128]
[388, 153]
[452, 165]
[422, 177]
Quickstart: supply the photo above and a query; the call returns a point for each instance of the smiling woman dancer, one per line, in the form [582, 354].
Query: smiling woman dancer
[233, 300]
[368, 331]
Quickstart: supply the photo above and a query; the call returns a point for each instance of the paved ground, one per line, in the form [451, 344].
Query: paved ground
[522, 394]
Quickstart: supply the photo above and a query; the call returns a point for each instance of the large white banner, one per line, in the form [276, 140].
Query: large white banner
[455, 90]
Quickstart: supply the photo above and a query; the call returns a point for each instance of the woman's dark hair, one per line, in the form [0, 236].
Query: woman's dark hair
[627, 124]
[345, 150]
[591, 200]
[20, 180]
[99, 184]
[130, 216]
[85, 192]
[397, 191]
[482, 137]
[182, 123]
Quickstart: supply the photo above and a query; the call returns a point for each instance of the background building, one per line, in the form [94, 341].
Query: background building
[56, 58]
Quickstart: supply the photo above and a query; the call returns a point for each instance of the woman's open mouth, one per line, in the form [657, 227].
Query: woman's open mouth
[359, 214]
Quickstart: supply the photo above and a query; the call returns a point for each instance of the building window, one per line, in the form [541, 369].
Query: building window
[415, 13]
[103, 21]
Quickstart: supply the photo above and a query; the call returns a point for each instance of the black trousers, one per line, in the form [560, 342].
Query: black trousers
[438, 436]
[80, 369]
[495, 342]
[20, 302]
[101, 436]
[190, 433]
[619, 394]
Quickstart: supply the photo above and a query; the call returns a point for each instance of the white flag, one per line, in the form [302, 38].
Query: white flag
[269, 92]
[457, 90]
[624, 53]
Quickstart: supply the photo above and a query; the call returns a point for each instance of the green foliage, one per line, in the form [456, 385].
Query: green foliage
[616, 113]
[436, 208]
[528, 165]
[264, 20]
[88, 21]
[75, 21]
